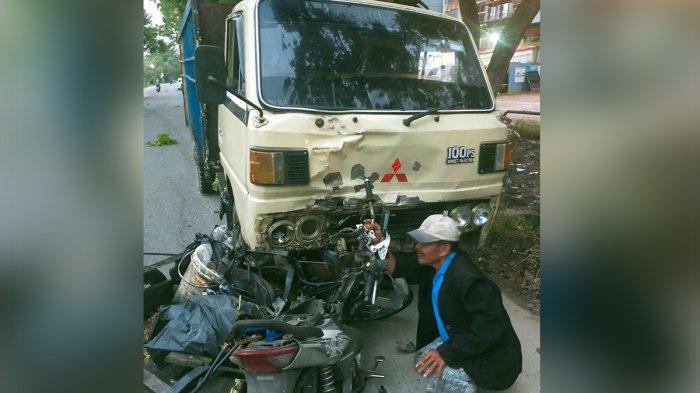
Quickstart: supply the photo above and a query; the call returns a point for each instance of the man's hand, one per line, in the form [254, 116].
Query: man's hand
[432, 361]
[370, 225]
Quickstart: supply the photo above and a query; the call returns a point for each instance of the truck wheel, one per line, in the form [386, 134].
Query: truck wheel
[203, 179]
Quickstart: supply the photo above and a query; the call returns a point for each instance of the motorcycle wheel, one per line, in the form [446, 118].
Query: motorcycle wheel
[366, 312]
[308, 381]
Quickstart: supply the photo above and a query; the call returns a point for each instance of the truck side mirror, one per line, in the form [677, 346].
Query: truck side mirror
[209, 62]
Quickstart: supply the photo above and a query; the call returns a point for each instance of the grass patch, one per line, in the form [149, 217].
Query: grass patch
[163, 139]
[510, 228]
[513, 253]
[527, 129]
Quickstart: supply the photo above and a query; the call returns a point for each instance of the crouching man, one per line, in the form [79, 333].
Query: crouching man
[463, 328]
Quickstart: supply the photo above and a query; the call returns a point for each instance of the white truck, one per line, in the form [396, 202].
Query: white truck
[313, 97]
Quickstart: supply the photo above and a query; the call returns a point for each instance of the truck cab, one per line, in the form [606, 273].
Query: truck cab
[316, 97]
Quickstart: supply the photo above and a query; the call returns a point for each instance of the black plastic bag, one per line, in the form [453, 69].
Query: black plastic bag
[199, 326]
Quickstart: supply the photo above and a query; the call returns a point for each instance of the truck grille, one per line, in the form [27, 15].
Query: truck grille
[405, 220]
[487, 157]
[297, 167]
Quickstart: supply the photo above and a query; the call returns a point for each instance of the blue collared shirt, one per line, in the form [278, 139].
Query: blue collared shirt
[437, 283]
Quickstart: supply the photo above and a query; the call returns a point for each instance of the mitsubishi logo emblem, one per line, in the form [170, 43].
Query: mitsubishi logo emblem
[401, 177]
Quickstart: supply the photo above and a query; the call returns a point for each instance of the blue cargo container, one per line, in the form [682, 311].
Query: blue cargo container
[203, 23]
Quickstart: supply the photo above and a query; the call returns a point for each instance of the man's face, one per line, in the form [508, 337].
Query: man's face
[430, 254]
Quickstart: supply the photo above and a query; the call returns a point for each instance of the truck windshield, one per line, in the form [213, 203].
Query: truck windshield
[343, 56]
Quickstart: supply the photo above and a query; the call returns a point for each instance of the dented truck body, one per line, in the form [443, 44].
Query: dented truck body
[317, 97]
[370, 147]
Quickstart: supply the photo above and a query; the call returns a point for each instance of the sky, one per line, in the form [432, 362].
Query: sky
[149, 6]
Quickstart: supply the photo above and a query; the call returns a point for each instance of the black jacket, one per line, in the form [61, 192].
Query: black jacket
[482, 340]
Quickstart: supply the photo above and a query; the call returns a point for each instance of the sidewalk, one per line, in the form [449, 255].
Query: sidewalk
[525, 101]
[400, 375]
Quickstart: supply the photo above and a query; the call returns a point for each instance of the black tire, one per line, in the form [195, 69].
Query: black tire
[356, 297]
[203, 179]
[229, 210]
[364, 312]
[390, 313]
[308, 381]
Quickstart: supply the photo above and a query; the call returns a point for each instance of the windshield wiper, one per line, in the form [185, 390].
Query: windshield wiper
[407, 121]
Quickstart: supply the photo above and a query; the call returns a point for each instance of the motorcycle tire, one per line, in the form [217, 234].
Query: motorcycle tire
[308, 381]
[409, 299]
[358, 291]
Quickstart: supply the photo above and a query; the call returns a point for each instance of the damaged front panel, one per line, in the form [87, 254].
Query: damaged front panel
[308, 228]
[406, 165]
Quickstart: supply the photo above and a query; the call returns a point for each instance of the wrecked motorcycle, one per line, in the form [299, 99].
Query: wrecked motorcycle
[311, 348]
[298, 354]
[300, 340]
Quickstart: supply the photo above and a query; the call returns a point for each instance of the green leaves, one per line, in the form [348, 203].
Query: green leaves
[172, 11]
[152, 40]
[157, 63]
[163, 139]
[160, 61]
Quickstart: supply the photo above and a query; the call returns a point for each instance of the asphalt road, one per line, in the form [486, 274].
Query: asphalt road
[174, 211]
[173, 208]
[398, 368]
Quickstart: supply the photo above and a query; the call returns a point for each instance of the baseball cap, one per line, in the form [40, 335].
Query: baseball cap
[434, 228]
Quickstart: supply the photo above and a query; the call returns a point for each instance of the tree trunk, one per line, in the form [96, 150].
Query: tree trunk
[508, 41]
[470, 16]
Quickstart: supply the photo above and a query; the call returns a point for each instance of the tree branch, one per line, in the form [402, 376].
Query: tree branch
[508, 41]
[469, 12]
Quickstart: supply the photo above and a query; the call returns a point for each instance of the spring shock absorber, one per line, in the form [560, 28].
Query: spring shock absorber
[327, 379]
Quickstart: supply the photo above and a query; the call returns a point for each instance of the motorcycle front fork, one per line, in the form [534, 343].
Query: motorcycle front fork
[371, 284]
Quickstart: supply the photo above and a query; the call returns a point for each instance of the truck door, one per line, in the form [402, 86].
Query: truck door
[233, 114]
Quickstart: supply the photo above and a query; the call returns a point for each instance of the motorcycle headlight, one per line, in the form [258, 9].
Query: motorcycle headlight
[281, 233]
[481, 213]
[462, 215]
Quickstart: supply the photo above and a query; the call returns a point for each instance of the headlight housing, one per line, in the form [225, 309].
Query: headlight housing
[277, 166]
[266, 168]
[281, 233]
[462, 215]
[308, 228]
[494, 157]
[481, 214]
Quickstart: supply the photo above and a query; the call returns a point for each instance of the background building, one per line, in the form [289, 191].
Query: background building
[493, 15]
[435, 5]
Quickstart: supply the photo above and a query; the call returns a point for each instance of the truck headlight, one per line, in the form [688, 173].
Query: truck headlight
[281, 233]
[279, 167]
[462, 215]
[481, 213]
[308, 228]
